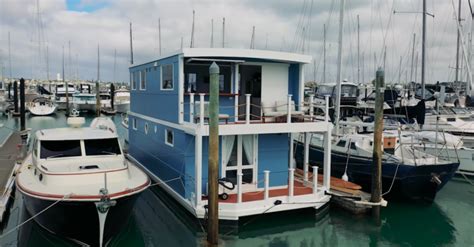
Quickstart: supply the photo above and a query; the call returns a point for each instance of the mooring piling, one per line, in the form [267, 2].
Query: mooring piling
[213, 216]
[377, 154]
[22, 104]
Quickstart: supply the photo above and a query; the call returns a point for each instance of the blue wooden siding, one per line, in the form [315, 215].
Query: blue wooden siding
[163, 160]
[293, 81]
[273, 155]
[154, 102]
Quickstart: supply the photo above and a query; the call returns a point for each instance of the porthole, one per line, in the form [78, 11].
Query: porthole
[40, 177]
[146, 128]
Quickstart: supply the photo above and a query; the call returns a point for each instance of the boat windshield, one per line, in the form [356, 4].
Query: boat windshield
[323, 90]
[348, 91]
[58, 149]
[102, 146]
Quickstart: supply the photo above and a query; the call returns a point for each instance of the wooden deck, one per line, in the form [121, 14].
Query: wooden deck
[299, 189]
[8, 155]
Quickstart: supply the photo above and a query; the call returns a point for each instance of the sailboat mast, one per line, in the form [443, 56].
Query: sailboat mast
[223, 32]
[358, 49]
[98, 62]
[412, 57]
[324, 53]
[423, 51]
[9, 56]
[212, 33]
[159, 36]
[115, 63]
[339, 67]
[456, 78]
[47, 64]
[131, 44]
[192, 33]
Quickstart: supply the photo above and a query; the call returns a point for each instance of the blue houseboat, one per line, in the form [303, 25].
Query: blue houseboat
[261, 109]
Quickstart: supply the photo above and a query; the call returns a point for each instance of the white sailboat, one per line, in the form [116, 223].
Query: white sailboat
[41, 106]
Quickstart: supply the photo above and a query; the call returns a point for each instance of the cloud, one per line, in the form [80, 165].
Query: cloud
[278, 27]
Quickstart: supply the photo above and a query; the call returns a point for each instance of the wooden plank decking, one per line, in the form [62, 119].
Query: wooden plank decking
[8, 155]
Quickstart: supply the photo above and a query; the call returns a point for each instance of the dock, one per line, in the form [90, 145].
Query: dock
[9, 153]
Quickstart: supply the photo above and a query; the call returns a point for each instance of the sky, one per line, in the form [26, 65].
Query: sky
[38, 36]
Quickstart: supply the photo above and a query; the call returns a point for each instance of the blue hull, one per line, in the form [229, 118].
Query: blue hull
[413, 182]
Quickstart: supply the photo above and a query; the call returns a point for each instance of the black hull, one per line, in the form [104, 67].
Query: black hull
[411, 182]
[79, 221]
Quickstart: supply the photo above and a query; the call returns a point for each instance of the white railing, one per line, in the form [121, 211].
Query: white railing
[277, 113]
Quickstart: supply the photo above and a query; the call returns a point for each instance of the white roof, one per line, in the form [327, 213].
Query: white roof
[74, 134]
[239, 53]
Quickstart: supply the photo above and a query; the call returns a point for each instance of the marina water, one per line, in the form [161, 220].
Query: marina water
[157, 221]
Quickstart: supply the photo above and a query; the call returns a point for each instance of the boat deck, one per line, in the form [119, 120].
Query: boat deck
[299, 189]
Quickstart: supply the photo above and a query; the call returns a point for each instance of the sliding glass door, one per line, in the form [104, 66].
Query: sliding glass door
[239, 155]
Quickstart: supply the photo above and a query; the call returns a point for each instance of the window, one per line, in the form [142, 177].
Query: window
[102, 146]
[133, 80]
[353, 146]
[167, 77]
[134, 124]
[341, 143]
[63, 148]
[146, 128]
[143, 80]
[169, 137]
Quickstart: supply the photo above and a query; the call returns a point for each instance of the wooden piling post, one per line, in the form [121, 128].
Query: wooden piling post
[377, 154]
[15, 96]
[22, 104]
[112, 95]
[213, 205]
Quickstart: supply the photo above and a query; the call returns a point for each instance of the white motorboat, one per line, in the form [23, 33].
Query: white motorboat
[78, 183]
[122, 100]
[41, 106]
[84, 102]
[61, 95]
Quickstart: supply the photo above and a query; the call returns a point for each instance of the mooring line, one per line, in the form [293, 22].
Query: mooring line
[34, 216]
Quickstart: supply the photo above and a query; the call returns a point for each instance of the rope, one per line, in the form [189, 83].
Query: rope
[467, 179]
[34, 216]
[393, 180]
[164, 182]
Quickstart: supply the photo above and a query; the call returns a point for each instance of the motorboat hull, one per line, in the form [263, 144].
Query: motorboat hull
[409, 181]
[42, 110]
[78, 220]
[122, 107]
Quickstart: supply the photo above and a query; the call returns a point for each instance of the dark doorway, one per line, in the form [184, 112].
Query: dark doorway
[250, 83]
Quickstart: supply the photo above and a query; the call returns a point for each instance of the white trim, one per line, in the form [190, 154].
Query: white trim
[186, 127]
[166, 137]
[134, 123]
[301, 88]
[172, 77]
[181, 89]
[222, 53]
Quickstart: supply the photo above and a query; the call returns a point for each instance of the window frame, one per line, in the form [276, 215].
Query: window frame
[133, 81]
[166, 137]
[172, 77]
[143, 81]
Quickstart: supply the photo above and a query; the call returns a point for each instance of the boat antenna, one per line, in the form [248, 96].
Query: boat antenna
[192, 33]
[131, 44]
[324, 53]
